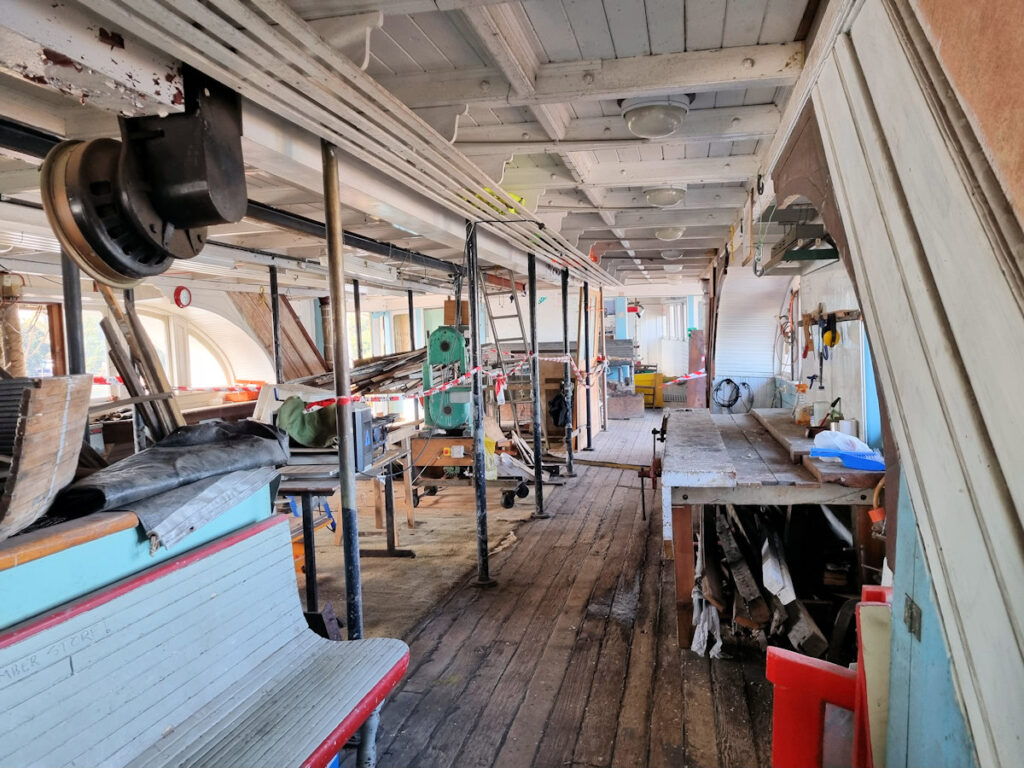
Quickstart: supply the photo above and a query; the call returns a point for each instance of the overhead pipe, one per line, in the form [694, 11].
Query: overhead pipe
[342, 390]
[538, 436]
[483, 574]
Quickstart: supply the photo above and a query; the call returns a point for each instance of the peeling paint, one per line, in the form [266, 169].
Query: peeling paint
[113, 39]
[58, 59]
[179, 97]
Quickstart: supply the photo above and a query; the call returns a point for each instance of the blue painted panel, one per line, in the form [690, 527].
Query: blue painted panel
[621, 316]
[872, 412]
[50, 581]
[927, 726]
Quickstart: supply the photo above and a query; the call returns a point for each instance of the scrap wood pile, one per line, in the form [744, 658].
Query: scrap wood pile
[138, 366]
[788, 573]
[398, 372]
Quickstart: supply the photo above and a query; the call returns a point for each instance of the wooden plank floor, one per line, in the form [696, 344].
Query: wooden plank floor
[572, 660]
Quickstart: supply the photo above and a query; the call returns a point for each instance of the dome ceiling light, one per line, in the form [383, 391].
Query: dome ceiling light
[654, 117]
[671, 255]
[664, 197]
[669, 233]
[673, 267]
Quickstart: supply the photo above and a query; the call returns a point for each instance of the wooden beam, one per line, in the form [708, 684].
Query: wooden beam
[715, 170]
[689, 72]
[594, 133]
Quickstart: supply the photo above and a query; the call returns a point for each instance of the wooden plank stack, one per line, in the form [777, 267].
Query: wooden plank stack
[41, 426]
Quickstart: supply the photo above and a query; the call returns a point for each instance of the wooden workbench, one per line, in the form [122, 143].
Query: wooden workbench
[736, 459]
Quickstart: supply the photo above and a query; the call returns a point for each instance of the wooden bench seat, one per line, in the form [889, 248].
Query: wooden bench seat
[204, 660]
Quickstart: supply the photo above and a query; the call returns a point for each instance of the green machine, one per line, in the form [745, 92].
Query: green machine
[446, 361]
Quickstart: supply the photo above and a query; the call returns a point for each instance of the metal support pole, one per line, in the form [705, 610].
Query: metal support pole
[342, 388]
[458, 301]
[538, 409]
[275, 324]
[412, 346]
[74, 339]
[567, 375]
[412, 324]
[586, 363]
[357, 306]
[327, 326]
[309, 552]
[483, 574]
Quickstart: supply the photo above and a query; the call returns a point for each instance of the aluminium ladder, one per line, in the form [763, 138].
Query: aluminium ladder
[518, 390]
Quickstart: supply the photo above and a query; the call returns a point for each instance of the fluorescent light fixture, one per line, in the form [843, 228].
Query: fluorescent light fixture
[664, 197]
[669, 233]
[654, 117]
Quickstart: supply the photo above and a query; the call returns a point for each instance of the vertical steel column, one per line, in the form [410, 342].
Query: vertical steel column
[309, 552]
[74, 340]
[483, 573]
[275, 324]
[567, 384]
[327, 327]
[538, 405]
[412, 324]
[357, 306]
[586, 362]
[342, 388]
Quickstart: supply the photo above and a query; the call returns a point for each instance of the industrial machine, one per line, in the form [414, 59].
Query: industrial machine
[125, 210]
[446, 361]
[444, 458]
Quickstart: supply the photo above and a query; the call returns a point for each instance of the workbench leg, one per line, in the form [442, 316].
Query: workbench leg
[389, 509]
[309, 551]
[378, 502]
[366, 754]
[682, 540]
[410, 515]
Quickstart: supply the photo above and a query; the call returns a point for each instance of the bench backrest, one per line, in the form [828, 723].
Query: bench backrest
[107, 674]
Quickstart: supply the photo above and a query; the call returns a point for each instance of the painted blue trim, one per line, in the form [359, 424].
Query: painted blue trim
[927, 725]
[621, 317]
[42, 584]
[872, 410]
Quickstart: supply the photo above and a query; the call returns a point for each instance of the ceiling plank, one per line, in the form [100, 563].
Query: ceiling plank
[688, 72]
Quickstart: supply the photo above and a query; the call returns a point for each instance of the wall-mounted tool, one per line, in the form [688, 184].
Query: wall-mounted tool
[124, 210]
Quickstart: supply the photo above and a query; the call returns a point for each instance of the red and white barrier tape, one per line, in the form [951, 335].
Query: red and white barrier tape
[695, 375]
[111, 381]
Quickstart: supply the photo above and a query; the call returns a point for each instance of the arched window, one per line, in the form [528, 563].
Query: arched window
[208, 367]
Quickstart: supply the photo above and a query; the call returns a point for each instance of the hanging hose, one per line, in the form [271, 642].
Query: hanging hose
[727, 393]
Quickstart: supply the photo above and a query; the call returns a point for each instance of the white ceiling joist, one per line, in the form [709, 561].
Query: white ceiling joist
[652, 217]
[718, 170]
[261, 49]
[318, 9]
[597, 133]
[689, 72]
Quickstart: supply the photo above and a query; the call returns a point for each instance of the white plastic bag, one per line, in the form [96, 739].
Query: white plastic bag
[837, 441]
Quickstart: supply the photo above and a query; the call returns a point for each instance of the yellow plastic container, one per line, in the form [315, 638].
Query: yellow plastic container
[649, 385]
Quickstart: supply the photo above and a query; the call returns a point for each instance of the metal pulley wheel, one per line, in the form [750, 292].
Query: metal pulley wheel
[100, 210]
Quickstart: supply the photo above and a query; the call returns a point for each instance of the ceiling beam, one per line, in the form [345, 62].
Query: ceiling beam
[652, 217]
[67, 50]
[712, 170]
[597, 133]
[319, 9]
[749, 66]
